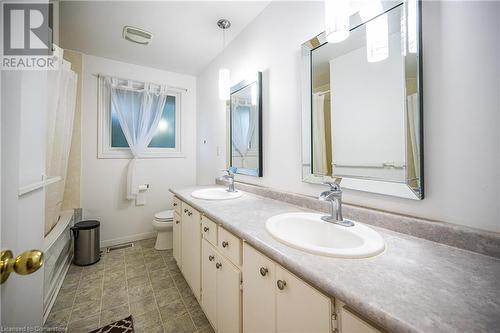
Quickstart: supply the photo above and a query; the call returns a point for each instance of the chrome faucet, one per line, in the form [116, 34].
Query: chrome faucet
[334, 195]
[230, 178]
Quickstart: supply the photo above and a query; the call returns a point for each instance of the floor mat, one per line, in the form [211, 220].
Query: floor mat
[121, 326]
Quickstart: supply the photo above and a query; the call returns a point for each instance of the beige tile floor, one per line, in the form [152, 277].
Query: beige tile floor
[138, 281]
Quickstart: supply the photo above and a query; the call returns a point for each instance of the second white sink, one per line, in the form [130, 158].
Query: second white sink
[308, 232]
[215, 193]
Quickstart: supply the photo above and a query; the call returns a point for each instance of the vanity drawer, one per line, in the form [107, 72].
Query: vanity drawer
[209, 230]
[177, 205]
[230, 246]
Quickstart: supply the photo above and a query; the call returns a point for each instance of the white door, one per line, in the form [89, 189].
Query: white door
[258, 292]
[228, 297]
[191, 248]
[209, 282]
[299, 307]
[23, 138]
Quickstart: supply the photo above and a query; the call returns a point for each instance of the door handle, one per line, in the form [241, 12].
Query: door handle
[26, 263]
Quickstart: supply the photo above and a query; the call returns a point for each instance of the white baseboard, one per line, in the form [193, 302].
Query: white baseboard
[131, 238]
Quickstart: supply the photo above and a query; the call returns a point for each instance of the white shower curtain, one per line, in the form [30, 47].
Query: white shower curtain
[413, 127]
[320, 162]
[139, 111]
[62, 85]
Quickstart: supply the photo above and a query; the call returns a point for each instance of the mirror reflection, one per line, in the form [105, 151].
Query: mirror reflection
[245, 118]
[365, 103]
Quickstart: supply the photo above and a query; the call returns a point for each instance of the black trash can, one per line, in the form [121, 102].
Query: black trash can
[86, 242]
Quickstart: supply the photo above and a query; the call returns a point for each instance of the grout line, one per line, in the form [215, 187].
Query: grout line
[74, 299]
[154, 294]
[182, 298]
[102, 287]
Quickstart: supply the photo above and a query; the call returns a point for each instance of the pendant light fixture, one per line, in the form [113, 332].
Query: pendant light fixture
[224, 73]
[336, 20]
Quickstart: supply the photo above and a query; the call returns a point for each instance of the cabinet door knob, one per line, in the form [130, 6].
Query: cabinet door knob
[185, 210]
[205, 229]
[189, 213]
[218, 265]
[225, 244]
[281, 284]
[177, 222]
[175, 204]
[263, 271]
[211, 258]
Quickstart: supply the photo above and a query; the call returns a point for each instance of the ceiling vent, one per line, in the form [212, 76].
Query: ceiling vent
[137, 35]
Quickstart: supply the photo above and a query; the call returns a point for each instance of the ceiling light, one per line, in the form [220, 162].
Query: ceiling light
[336, 20]
[137, 35]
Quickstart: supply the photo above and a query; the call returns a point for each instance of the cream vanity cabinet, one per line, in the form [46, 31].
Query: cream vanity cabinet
[274, 300]
[221, 278]
[349, 322]
[190, 248]
[177, 232]
[241, 289]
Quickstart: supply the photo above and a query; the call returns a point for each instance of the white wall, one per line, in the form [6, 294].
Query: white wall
[461, 106]
[103, 180]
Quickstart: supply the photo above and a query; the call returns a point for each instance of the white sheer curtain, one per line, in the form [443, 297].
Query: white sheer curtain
[139, 111]
[61, 111]
[241, 127]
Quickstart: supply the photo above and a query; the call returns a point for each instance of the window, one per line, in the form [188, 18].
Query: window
[112, 142]
[164, 136]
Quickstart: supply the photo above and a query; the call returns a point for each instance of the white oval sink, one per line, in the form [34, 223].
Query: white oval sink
[308, 232]
[216, 193]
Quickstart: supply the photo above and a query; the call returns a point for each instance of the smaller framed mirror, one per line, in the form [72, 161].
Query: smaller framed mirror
[245, 127]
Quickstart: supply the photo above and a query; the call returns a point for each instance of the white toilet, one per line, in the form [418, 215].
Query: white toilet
[163, 224]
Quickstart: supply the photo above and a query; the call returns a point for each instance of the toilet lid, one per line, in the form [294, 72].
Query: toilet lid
[165, 216]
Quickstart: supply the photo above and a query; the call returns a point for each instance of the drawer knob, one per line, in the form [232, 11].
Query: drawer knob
[281, 284]
[175, 204]
[225, 244]
[218, 265]
[211, 258]
[185, 210]
[263, 271]
[189, 213]
[206, 229]
[177, 222]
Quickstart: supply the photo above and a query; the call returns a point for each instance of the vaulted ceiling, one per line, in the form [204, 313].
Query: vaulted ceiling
[186, 37]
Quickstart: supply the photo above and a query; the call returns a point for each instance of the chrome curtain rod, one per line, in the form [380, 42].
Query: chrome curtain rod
[158, 84]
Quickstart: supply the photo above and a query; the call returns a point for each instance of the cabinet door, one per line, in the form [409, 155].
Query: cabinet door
[209, 282]
[228, 297]
[350, 323]
[299, 307]
[191, 248]
[258, 292]
[177, 239]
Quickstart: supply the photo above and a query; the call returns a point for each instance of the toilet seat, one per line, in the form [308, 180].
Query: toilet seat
[164, 216]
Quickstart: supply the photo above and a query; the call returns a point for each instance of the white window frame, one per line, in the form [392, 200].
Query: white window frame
[105, 150]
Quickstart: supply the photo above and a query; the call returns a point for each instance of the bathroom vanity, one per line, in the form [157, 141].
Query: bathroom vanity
[247, 281]
[241, 289]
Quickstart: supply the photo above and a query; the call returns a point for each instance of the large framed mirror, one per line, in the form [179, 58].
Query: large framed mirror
[362, 103]
[245, 127]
